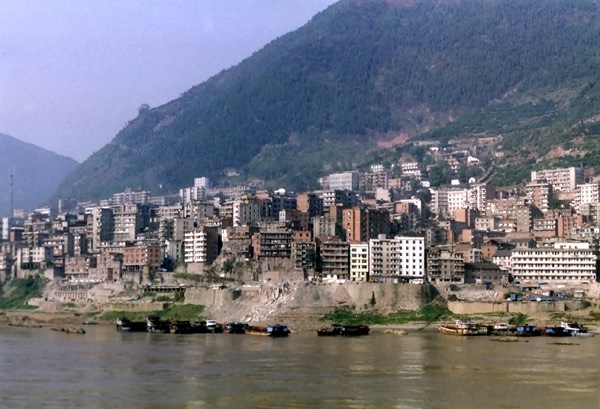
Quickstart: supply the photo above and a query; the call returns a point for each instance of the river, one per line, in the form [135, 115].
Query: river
[40, 368]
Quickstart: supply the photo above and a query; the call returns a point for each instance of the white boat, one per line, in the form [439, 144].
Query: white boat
[576, 329]
[460, 328]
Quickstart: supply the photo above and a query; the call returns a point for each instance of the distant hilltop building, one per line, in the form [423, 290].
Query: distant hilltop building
[340, 181]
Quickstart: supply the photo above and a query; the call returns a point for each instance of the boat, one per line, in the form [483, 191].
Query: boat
[276, 330]
[344, 330]
[180, 327]
[355, 330]
[527, 330]
[208, 327]
[331, 331]
[126, 325]
[576, 330]
[501, 328]
[460, 327]
[556, 332]
[235, 327]
[155, 324]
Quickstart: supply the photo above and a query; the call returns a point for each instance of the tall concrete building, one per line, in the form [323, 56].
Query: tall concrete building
[201, 245]
[100, 227]
[401, 259]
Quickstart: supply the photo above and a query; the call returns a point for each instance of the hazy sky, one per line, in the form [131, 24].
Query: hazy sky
[74, 72]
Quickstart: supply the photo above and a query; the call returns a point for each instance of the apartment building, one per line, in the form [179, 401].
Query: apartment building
[359, 262]
[304, 255]
[100, 227]
[564, 262]
[201, 245]
[335, 259]
[446, 266]
[274, 240]
[539, 194]
[561, 179]
[310, 203]
[341, 181]
[401, 259]
[445, 201]
[586, 194]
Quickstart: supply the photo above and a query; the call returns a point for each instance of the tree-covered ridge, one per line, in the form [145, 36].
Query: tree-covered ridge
[358, 72]
[36, 173]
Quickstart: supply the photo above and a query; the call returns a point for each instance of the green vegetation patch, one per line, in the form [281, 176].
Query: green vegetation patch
[15, 294]
[348, 315]
[175, 312]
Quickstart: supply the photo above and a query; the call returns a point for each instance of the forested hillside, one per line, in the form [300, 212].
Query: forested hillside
[36, 173]
[319, 99]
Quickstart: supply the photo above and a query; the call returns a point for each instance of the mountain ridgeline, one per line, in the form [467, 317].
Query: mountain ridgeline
[36, 173]
[319, 99]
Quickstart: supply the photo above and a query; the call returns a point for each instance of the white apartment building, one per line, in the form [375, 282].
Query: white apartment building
[479, 195]
[341, 181]
[201, 245]
[203, 182]
[564, 262]
[397, 259]
[359, 261]
[561, 179]
[411, 169]
[446, 201]
[586, 193]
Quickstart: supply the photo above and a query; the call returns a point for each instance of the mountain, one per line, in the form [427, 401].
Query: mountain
[36, 173]
[364, 74]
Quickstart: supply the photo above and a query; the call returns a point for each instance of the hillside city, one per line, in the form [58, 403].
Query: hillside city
[373, 226]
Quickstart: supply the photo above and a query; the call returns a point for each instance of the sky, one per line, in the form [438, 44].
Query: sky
[74, 72]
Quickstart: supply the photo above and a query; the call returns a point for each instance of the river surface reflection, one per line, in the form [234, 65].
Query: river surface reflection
[40, 368]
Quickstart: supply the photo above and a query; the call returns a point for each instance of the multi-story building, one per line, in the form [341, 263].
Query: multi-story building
[539, 194]
[343, 198]
[197, 210]
[411, 169]
[354, 224]
[445, 201]
[304, 255]
[586, 193]
[310, 203]
[401, 259]
[273, 240]
[324, 226]
[341, 181]
[100, 227]
[561, 179]
[373, 180]
[564, 262]
[129, 220]
[335, 259]
[251, 210]
[445, 266]
[130, 197]
[359, 262]
[479, 196]
[201, 245]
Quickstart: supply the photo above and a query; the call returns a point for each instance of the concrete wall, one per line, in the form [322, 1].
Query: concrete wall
[134, 307]
[527, 308]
